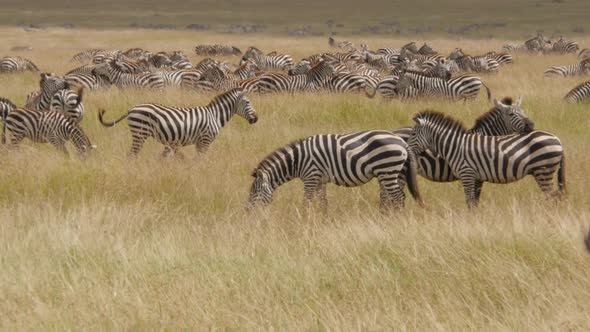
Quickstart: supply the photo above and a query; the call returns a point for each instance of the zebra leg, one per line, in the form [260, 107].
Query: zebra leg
[166, 153]
[202, 148]
[544, 178]
[391, 197]
[311, 188]
[137, 144]
[323, 198]
[472, 188]
[59, 145]
[15, 141]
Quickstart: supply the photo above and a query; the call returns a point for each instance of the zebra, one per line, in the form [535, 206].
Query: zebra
[514, 47]
[463, 87]
[211, 50]
[12, 64]
[85, 69]
[564, 46]
[177, 127]
[106, 56]
[500, 58]
[311, 80]
[124, 80]
[343, 159]
[342, 83]
[47, 126]
[49, 84]
[342, 44]
[475, 159]
[537, 44]
[70, 103]
[86, 55]
[426, 49]
[87, 81]
[221, 82]
[579, 94]
[582, 68]
[264, 62]
[136, 53]
[479, 63]
[505, 118]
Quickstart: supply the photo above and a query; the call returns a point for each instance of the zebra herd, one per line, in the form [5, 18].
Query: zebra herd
[502, 147]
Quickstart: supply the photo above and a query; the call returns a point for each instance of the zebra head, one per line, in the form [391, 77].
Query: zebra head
[261, 190]
[430, 127]
[80, 140]
[513, 117]
[243, 107]
[456, 54]
[51, 83]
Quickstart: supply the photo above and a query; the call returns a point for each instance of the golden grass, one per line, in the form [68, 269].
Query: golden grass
[112, 243]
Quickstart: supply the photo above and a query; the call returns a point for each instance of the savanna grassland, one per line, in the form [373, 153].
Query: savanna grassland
[115, 243]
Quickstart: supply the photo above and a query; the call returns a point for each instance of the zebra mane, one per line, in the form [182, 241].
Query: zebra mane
[482, 118]
[277, 153]
[440, 119]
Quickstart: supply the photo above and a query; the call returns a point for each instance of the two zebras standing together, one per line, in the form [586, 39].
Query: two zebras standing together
[501, 148]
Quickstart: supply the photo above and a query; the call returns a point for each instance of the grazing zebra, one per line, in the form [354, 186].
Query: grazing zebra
[346, 160]
[87, 81]
[45, 127]
[265, 62]
[311, 80]
[460, 87]
[426, 49]
[564, 46]
[49, 85]
[342, 44]
[221, 82]
[86, 55]
[500, 58]
[85, 69]
[537, 44]
[582, 68]
[584, 54]
[123, 80]
[211, 50]
[468, 63]
[514, 47]
[475, 159]
[12, 64]
[70, 103]
[342, 83]
[106, 56]
[504, 119]
[579, 94]
[178, 127]
[136, 53]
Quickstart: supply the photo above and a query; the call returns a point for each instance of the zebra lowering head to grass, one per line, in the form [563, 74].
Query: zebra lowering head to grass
[176, 127]
[581, 68]
[505, 118]
[476, 159]
[45, 127]
[348, 160]
[310, 81]
[579, 94]
[461, 87]
[13, 64]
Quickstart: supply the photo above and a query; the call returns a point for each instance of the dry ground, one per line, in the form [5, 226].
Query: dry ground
[109, 242]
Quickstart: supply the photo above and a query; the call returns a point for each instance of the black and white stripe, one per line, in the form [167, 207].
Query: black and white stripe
[579, 94]
[310, 81]
[13, 64]
[123, 80]
[505, 118]
[265, 62]
[346, 160]
[342, 45]
[70, 103]
[45, 127]
[461, 87]
[564, 46]
[49, 84]
[475, 159]
[176, 127]
[86, 55]
[582, 68]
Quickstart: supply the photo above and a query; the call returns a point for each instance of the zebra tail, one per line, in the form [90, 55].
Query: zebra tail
[112, 123]
[561, 176]
[487, 91]
[412, 176]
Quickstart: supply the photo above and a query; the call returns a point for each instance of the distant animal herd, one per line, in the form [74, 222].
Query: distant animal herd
[503, 146]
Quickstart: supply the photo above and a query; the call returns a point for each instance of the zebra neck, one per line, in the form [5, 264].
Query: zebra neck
[223, 112]
[284, 166]
[490, 125]
[446, 141]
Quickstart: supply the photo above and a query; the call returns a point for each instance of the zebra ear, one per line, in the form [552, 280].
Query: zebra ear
[254, 172]
[518, 101]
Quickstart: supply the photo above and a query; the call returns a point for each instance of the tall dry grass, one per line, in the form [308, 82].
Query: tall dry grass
[113, 243]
